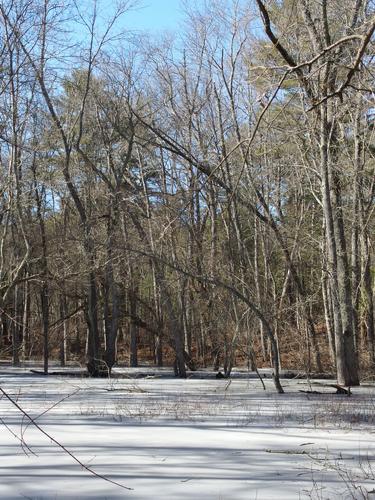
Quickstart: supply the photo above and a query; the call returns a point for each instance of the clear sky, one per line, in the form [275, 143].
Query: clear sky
[154, 15]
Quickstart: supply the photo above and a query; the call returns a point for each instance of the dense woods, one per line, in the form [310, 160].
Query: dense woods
[202, 199]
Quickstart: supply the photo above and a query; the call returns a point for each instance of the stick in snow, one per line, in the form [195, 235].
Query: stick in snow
[88, 469]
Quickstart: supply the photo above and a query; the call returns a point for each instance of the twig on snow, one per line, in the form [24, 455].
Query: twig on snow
[88, 469]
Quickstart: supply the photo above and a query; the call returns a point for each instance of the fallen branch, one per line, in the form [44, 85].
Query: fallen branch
[341, 390]
[288, 452]
[88, 469]
[310, 392]
[20, 439]
[23, 430]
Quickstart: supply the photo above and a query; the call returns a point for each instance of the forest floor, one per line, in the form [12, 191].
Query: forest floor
[199, 438]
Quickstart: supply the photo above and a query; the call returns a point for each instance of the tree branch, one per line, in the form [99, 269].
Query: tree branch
[32, 421]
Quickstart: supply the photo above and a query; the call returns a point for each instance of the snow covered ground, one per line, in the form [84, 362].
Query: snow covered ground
[199, 438]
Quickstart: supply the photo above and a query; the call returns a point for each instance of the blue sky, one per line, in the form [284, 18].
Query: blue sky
[154, 15]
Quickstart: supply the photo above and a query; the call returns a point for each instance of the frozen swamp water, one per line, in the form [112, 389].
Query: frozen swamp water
[199, 438]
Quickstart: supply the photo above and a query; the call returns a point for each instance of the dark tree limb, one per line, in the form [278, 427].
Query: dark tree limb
[85, 467]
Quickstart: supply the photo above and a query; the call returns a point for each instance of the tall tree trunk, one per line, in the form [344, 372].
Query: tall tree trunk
[26, 318]
[15, 329]
[44, 297]
[112, 296]
[327, 304]
[44, 293]
[262, 337]
[133, 327]
[93, 360]
[64, 332]
[340, 284]
[369, 300]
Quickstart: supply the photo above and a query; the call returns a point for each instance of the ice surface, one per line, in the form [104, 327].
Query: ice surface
[199, 438]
